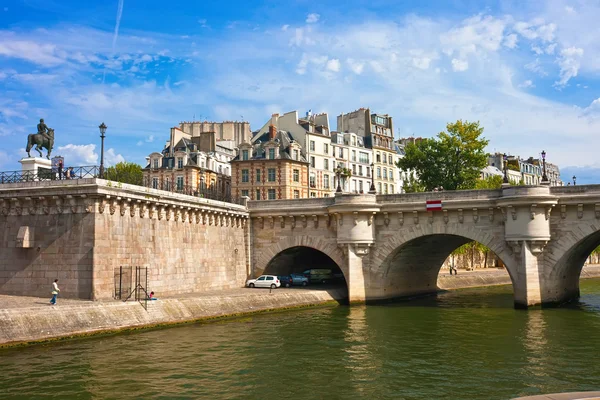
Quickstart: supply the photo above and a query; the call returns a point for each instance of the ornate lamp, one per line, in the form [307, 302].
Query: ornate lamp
[505, 158]
[372, 188]
[544, 176]
[102, 128]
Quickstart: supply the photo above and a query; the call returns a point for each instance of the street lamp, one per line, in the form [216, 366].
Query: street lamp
[505, 158]
[574, 180]
[544, 177]
[102, 128]
[338, 173]
[372, 188]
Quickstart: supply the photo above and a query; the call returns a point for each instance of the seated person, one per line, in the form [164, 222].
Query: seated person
[151, 296]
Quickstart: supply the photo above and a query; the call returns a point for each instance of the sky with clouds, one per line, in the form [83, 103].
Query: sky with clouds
[528, 71]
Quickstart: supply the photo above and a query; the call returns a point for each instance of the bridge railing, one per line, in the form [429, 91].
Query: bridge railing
[49, 174]
[85, 172]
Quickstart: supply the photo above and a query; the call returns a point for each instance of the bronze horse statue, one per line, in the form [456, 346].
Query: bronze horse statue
[40, 142]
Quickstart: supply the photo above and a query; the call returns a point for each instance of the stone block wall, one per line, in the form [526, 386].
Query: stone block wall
[61, 248]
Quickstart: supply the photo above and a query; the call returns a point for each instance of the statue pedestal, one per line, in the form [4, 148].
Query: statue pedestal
[32, 165]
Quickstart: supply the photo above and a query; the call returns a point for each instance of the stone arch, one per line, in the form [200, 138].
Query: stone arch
[329, 248]
[435, 242]
[564, 258]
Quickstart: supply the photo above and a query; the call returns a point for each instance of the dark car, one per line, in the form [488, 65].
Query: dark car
[286, 280]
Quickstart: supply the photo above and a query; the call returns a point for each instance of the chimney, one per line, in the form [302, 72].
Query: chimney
[275, 119]
[272, 132]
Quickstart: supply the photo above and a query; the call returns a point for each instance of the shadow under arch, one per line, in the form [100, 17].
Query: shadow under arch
[413, 266]
[562, 283]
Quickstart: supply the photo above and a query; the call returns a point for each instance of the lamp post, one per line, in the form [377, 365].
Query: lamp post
[102, 128]
[372, 188]
[338, 174]
[574, 180]
[505, 159]
[544, 177]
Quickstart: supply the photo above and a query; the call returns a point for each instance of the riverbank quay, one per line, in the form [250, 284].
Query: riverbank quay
[29, 320]
[564, 396]
[493, 277]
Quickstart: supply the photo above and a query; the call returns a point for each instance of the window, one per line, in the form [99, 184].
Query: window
[167, 184]
[312, 161]
[312, 181]
[258, 176]
[368, 172]
[271, 175]
[326, 181]
[245, 176]
[326, 164]
[379, 187]
[360, 186]
[155, 163]
[179, 162]
[353, 155]
[312, 145]
[271, 194]
[313, 194]
[257, 194]
[360, 170]
[385, 173]
[379, 172]
[341, 152]
[180, 183]
[390, 160]
[245, 193]
[296, 194]
[385, 188]
[155, 183]
[245, 155]
[271, 154]
[392, 189]
[384, 159]
[325, 148]
[296, 154]
[353, 169]
[296, 175]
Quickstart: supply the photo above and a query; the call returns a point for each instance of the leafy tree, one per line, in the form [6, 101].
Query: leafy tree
[491, 182]
[412, 184]
[452, 160]
[125, 172]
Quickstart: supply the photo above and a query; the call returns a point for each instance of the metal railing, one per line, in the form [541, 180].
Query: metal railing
[53, 174]
[49, 174]
[211, 193]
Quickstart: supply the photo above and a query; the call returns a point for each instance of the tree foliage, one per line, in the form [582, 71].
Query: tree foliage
[491, 182]
[412, 184]
[452, 160]
[125, 172]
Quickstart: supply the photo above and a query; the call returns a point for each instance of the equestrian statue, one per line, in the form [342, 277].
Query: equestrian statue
[43, 139]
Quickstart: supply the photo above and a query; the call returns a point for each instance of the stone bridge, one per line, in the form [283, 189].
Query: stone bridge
[390, 246]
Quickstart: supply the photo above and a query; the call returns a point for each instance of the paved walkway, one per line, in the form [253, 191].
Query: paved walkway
[564, 396]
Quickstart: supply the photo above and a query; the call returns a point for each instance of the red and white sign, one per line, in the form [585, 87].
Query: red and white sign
[434, 205]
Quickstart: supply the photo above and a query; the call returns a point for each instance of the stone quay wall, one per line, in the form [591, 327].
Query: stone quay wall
[82, 231]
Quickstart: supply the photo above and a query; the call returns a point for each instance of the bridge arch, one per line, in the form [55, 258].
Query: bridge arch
[265, 255]
[564, 259]
[408, 263]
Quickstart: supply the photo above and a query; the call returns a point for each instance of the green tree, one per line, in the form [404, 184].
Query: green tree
[412, 184]
[125, 172]
[452, 160]
[491, 182]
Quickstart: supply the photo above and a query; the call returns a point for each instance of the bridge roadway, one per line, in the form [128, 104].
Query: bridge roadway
[391, 246]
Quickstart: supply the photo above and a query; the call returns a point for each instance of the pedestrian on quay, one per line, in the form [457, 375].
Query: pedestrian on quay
[60, 169]
[55, 291]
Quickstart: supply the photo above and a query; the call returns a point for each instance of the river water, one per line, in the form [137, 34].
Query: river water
[466, 344]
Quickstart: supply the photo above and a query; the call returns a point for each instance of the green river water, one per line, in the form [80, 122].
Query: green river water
[466, 344]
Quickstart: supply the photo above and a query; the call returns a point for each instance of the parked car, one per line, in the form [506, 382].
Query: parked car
[299, 280]
[318, 275]
[264, 281]
[286, 281]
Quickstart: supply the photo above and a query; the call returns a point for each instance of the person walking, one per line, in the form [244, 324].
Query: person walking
[55, 291]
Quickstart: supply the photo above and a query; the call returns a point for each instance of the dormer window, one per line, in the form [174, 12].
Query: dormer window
[296, 154]
[155, 163]
[179, 162]
[271, 154]
[245, 155]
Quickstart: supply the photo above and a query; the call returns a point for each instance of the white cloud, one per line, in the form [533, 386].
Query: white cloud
[285, 27]
[356, 66]
[79, 155]
[111, 157]
[37, 53]
[536, 67]
[510, 41]
[527, 84]
[333, 65]
[312, 18]
[570, 10]
[479, 33]
[202, 22]
[569, 63]
[536, 29]
[459, 65]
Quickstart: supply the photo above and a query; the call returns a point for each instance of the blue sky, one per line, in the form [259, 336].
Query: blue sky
[528, 71]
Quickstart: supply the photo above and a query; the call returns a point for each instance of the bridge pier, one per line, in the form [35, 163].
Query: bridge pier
[355, 276]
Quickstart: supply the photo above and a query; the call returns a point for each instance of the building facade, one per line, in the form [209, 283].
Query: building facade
[237, 132]
[312, 133]
[350, 152]
[182, 166]
[271, 168]
[377, 129]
